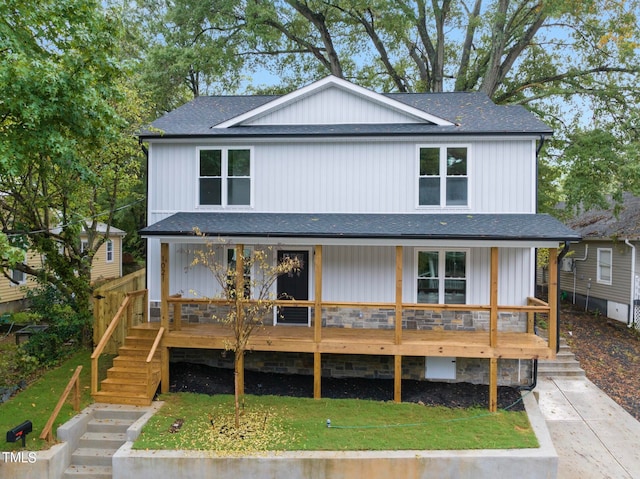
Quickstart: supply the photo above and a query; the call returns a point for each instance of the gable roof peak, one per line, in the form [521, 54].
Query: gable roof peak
[326, 83]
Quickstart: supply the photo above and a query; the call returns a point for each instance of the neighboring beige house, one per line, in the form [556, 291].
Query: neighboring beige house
[107, 264]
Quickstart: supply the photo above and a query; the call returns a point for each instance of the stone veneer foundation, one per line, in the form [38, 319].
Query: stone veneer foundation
[511, 372]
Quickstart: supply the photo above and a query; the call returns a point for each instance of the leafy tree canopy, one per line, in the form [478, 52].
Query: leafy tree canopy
[574, 63]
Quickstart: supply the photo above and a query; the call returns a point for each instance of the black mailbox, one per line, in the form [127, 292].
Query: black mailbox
[20, 432]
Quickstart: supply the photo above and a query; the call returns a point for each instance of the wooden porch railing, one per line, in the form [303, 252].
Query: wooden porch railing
[126, 310]
[534, 305]
[75, 380]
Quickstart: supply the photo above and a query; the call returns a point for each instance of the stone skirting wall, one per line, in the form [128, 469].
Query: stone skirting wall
[373, 318]
[511, 372]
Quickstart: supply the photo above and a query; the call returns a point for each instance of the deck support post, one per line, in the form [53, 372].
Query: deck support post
[240, 296]
[317, 322]
[164, 285]
[397, 369]
[553, 299]
[397, 378]
[317, 375]
[493, 384]
[493, 299]
[164, 370]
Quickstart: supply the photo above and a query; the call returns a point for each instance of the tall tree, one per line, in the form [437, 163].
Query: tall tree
[65, 149]
[557, 58]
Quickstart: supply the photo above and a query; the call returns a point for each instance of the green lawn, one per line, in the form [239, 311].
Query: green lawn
[37, 401]
[284, 423]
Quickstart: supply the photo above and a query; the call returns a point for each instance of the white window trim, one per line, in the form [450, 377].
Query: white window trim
[443, 177]
[598, 270]
[252, 272]
[441, 267]
[224, 178]
[111, 252]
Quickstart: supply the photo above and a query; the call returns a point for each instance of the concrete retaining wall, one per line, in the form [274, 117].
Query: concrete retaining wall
[521, 463]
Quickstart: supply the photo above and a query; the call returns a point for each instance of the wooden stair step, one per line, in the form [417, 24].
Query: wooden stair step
[122, 397]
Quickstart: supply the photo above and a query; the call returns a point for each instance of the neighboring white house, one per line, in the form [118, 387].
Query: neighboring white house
[603, 274]
[445, 179]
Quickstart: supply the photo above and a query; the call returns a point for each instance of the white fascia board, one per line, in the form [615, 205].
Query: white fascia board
[324, 83]
[294, 241]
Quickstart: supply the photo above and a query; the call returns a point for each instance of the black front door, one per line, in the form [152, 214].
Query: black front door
[294, 286]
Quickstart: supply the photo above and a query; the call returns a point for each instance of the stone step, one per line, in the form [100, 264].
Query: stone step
[78, 471]
[102, 440]
[564, 366]
[109, 425]
[117, 412]
[88, 456]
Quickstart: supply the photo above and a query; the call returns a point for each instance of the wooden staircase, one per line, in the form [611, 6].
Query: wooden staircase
[132, 380]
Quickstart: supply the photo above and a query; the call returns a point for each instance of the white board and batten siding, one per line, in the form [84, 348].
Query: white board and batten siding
[347, 176]
[364, 274]
[333, 106]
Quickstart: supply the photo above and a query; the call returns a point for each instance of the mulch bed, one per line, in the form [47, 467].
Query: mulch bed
[608, 351]
[208, 380]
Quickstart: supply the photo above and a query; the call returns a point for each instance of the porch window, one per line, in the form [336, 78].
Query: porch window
[442, 177]
[231, 266]
[442, 277]
[605, 256]
[225, 177]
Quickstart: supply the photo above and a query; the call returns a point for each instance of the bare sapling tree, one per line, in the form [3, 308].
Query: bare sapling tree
[246, 280]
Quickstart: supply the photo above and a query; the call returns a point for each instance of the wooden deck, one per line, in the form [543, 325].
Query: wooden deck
[300, 339]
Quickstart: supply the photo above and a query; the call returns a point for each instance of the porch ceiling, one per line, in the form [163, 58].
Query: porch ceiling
[531, 229]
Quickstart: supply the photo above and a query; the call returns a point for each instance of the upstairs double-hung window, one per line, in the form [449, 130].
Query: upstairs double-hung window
[224, 177]
[443, 179]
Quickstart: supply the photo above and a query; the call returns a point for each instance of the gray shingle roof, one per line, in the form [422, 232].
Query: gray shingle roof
[383, 226]
[473, 113]
[603, 224]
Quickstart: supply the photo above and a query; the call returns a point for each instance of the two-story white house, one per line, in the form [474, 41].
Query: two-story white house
[414, 216]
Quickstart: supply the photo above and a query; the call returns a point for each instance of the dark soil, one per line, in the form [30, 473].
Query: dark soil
[207, 380]
[608, 351]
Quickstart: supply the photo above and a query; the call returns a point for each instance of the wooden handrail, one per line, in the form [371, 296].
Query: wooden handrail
[531, 300]
[139, 292]
[75, 379]
[111, 328]
[152, 352]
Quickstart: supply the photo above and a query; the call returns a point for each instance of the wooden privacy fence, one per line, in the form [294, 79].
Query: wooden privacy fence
[107, 299]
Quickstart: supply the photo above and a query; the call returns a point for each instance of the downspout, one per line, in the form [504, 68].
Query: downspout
[562, 254]
[534, 371]
[575, 269]
[632, 294]
[146, 155]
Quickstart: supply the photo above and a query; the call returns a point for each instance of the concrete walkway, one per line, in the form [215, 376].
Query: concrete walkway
[593, 436]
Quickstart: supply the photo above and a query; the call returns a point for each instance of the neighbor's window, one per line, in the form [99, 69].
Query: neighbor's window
[109, 251]
[442, 178]
[18, 277]
[225, 176]
[605, 256]
[442, 277]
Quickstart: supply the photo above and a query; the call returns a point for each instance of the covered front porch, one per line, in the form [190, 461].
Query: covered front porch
[398, 339]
